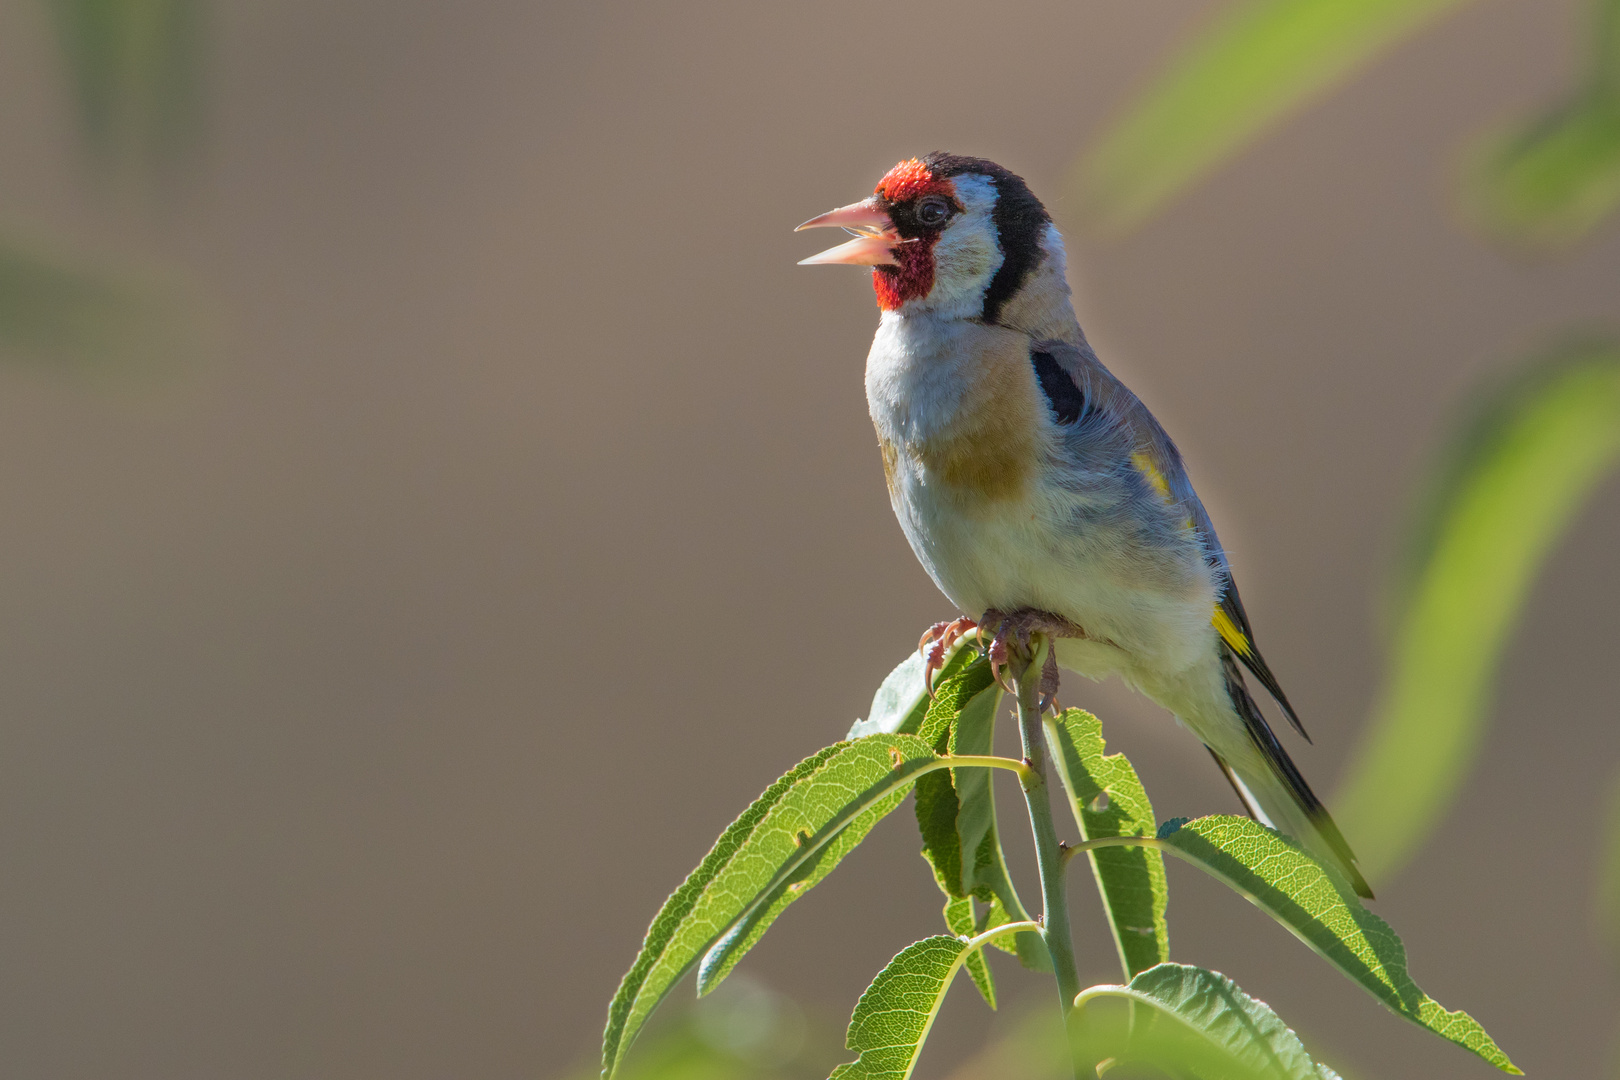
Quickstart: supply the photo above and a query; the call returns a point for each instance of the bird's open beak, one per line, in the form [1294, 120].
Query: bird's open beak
[874, 236]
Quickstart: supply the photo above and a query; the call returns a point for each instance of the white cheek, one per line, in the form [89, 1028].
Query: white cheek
[966, 256]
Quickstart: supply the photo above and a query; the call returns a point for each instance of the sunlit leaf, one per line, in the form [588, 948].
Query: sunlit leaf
[893, 1017]
[1203, 1024]
[1258, 62]
[85, 319]
[792, 882]
[1515, 479]
[764, 860]
[136, 69]
[1323, 911]
[902, 700]
[961, 921]
[1107, 799]
[818, 821]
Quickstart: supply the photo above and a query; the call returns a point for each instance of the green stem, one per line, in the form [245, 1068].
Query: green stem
[968, 761]
[1049, 854]
[1115, 841]
[996, 931]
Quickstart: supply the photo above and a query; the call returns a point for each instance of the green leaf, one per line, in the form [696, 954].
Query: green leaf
[1255, 64]
[1107, 799]
[754, 864]
[1320, 908]
[902, 701]
[624, 1017]
[892, 1019]
[960, 920]
[956, 807]
[1514, 481]
[1202, 1021]
[724, 954]
[1551, 181]
[974, 732]
[936, 806]
[818, 821]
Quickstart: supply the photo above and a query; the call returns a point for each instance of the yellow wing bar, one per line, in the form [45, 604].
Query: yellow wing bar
[1144, 465]
[1230, 633]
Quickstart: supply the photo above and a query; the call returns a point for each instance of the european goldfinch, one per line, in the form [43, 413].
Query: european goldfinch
[1037, 491]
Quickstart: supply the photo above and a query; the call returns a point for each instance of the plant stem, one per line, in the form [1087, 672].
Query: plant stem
[968, 761]
[1037, 796]
[1114, 841]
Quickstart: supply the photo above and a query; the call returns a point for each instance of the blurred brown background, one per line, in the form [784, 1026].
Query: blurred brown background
[366, 683]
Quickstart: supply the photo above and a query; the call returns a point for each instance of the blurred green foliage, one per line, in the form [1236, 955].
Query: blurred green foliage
[1513, 478]
[1608, 889]
[136, 68]
[1258, 62]
[742, 1031]
[1546, 183]
[1549, 184]
[1543, 184]
[88, 320]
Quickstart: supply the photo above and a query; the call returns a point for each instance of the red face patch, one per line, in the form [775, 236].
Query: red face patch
[910, 179]
[914, 277]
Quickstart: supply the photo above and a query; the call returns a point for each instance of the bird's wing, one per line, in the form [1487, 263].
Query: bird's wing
[1091, 396]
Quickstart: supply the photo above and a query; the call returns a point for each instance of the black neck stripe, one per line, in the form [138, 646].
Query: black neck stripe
[1019, 219]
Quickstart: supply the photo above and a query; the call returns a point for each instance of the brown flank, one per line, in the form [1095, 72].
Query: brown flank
[989, 452]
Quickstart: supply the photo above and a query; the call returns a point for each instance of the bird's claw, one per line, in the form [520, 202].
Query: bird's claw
[938, 640]
[1019, 626]
[997, 652]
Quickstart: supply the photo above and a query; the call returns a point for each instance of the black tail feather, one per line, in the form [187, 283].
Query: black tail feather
[1285, 769]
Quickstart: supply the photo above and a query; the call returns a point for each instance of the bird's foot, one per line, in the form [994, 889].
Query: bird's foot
[937, 641]
[1012, 630]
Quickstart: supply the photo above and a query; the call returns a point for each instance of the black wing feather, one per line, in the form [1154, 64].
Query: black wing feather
[1283, 765]
[1232, 606]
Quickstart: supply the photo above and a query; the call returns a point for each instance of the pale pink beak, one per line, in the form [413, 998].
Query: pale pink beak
[870, 248]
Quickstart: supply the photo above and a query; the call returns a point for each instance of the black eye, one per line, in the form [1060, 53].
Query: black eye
[933, 211]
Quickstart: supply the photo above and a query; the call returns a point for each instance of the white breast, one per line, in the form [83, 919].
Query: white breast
[1017, 553]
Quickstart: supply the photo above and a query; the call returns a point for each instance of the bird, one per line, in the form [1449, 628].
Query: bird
[1037, 491]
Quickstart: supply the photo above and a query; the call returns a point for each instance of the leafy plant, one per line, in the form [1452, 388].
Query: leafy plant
[1181, 1020]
